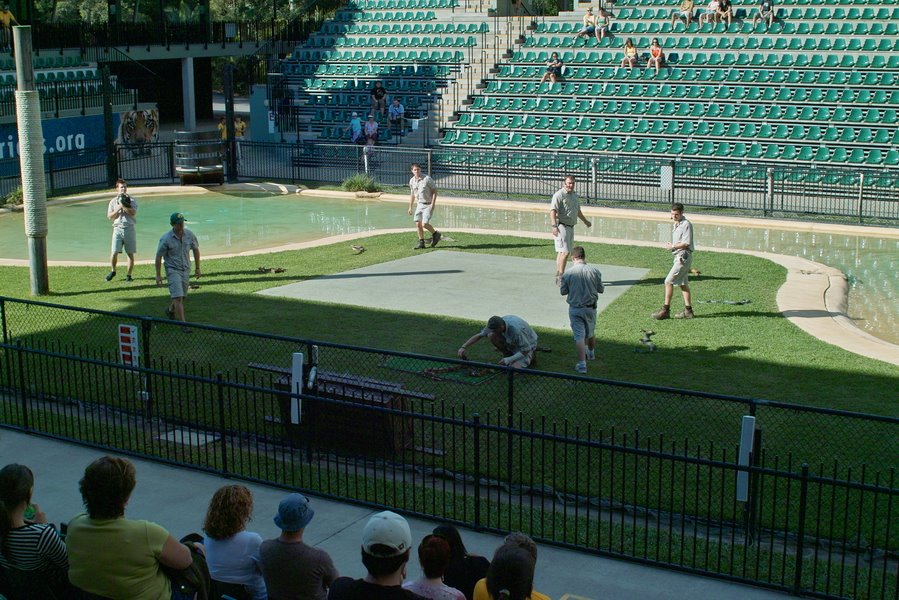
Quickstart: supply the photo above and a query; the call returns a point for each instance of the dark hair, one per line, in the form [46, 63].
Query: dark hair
[452, 537]
[578, 253]
[511, 574]
[16, 483]
[677, 206]
[434, 556]
[228, 512]
[106, 486]
[413, 165]
[381, 566]
[120, 180]
[522, 540]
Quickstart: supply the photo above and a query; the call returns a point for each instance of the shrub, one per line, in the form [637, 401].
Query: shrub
[360, 182]
[12, 198]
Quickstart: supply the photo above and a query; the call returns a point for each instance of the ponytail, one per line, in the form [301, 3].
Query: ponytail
[504, 594]
[16, 483]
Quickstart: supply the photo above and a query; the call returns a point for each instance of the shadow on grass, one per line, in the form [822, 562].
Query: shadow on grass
[500, 246]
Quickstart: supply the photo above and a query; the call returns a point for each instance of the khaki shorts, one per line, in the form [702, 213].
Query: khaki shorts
[680, 271]
[564, 242]
[178, 282]
[422, 213]
[124, 238]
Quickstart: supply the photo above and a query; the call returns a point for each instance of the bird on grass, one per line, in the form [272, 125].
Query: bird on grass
[357, 249]
[646, 340]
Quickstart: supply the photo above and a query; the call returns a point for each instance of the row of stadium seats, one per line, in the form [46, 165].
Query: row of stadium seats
[810, 13]
[354, 101]
[402, 86]
[685, 128]
[363, 70]
[817, 95]
[839, 3]
[404, 56]
[808, 44]
[392, 42]
[713, 75]
[399, 4]
[745, 27]
[402, 28]
[687, 148]
[44, 62]
[390, 15]
[816, 60]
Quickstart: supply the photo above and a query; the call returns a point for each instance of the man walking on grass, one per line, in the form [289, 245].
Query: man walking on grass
[564, 211]
[122, 211]
[175, 246]
[681, 246]
[582, 285]
[422, 200]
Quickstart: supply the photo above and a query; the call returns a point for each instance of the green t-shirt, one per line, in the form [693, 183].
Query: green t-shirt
[117, 558]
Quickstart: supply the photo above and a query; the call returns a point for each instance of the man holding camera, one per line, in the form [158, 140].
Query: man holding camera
[122, 211]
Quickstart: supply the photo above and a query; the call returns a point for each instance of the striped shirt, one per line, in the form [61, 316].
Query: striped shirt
[34, 547]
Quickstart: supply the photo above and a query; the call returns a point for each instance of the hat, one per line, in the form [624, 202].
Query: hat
[494, 323]
[355, 114]
[386, 529]
[294, 513]
[371, 116]
[176, 218]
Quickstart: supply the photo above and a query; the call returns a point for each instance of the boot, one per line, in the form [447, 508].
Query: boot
[687, 314]
[662, 313]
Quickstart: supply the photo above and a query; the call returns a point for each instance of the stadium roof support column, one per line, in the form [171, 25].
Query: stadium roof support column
[189, 94]
[31, 162]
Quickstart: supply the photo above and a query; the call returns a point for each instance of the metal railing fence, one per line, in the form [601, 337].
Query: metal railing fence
[848, 194]
[665, 497]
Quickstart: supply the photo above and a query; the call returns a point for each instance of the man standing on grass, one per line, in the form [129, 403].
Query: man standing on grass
[122, 211]
[423, 198]
[175, 247]
[681, 246]
[582, 284]
[564, 211]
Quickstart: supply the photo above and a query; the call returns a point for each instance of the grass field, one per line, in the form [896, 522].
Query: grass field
[747, 350]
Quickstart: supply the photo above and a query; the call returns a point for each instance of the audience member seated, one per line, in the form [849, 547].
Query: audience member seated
[603, 27]
[386, 541]
[434, 556]
[354, 129]
[464, 570]
[589, 24]
[378, 98]
[371, 131]
[710, 13]
[112, 556]
[294, 570]
[630, 54]
[232, 552]
[512, 569]
[764, 12]
[684, 12]
[396, 113]
[28, 542]
[725, 12]
[553, 68]
[656, 56]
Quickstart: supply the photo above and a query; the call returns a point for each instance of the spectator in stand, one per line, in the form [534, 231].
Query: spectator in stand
[232, 552]
[589, 27]
[656, 56]
[396, 113]
[464, 570]
[710, 13]
[630, 54]
[112, 556]
[512, 569]
[354, 129]
[371, 130]
[434, 556]
[764, 12]
[725, 12]
[553, 68]
[292, 569]
[6, 18]
[683, 12]
[603, 25]
[378, 98]
[386, 542]
[27, 541]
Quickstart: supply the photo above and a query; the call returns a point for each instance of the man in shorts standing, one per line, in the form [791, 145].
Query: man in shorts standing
[582, 285]
[175, 247]
[564, 211]
[122, 211]
[422, 199]
[681, 246]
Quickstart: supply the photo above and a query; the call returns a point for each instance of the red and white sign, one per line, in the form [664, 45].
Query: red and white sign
[128, 346]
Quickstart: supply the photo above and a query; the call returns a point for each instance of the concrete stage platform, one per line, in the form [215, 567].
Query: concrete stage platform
[459, 284]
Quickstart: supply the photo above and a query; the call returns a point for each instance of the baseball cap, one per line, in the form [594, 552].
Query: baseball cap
[355, 114]
[176, 218]
[494, 323]
[386, 529]
[294, 513]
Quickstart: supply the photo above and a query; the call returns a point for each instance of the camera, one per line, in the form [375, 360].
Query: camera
[125, 200]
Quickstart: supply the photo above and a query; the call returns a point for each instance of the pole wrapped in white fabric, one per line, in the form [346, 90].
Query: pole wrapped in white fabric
[31, 162]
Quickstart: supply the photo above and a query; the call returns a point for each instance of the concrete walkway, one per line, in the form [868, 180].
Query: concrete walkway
[177, 499]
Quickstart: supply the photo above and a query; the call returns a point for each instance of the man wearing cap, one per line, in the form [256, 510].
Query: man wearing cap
[122, 211]
[175, 247]
[564, 211]
[510, 335]
[386, 542]
[292, 569]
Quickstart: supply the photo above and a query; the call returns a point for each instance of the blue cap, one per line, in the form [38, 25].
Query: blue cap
[294, 513]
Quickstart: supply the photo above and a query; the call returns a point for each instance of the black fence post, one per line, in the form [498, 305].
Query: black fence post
[510, 422]
[476, 432]
[146, 326]
[23, 398]
[3, 320]
[800, 534]
[219, 379]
